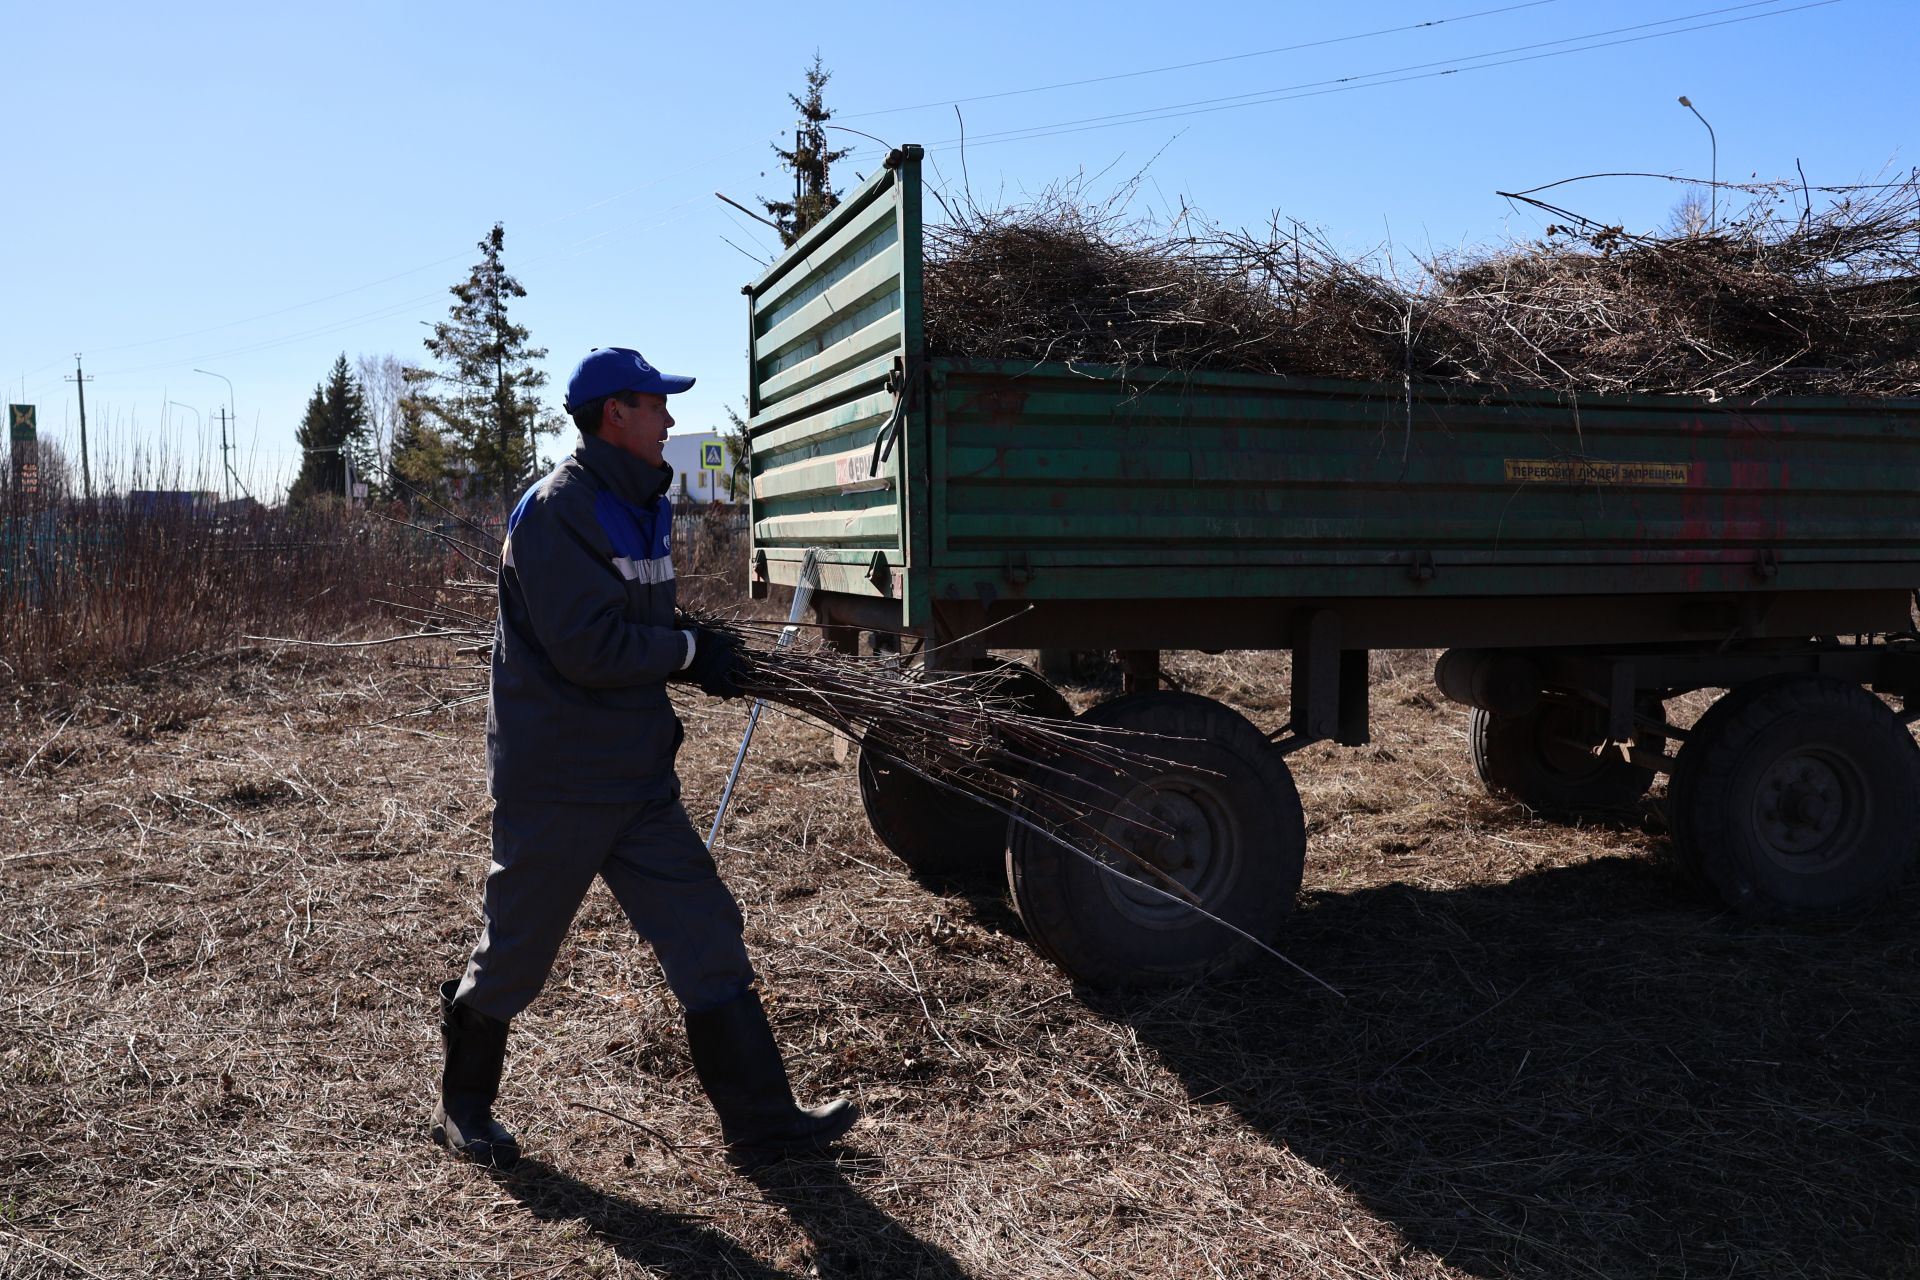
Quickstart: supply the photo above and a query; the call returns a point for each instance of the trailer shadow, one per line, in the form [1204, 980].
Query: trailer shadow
[1583, 1072]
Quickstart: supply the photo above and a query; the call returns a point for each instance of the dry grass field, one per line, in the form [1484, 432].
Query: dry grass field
[227, 893]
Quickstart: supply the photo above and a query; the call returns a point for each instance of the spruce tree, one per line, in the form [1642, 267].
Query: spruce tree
[335, 428]
[739, 442]
[484, 402]
[810, 162]
[420, 463]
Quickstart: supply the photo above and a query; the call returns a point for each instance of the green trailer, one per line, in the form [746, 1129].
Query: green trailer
[1581, 561]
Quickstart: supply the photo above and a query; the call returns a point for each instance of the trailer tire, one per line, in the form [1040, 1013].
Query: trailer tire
[1526, 758]
[1796, 796]
[941, 835]
[1079, 666]
[1217, 776]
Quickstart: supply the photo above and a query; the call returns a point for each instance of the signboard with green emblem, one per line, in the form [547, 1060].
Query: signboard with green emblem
[23, 427]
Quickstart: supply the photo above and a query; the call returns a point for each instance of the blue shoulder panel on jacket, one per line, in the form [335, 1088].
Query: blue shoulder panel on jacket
[639, 533]
[520, 508]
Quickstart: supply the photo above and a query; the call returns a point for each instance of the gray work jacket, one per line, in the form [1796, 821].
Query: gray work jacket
[578, 710]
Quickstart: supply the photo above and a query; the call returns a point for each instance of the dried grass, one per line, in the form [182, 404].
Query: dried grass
[230, 893]
[98, 590]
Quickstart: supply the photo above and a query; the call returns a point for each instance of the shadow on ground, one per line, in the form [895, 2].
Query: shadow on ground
[851, 1237]
[1582, 1072]
[656, 1240]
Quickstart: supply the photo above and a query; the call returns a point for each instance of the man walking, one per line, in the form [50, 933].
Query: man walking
[581, 739]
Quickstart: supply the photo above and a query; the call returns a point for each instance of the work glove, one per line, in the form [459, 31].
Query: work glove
[717, 663]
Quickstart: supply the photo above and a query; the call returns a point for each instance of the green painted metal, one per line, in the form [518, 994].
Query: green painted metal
[1044, 482]
[830, 327]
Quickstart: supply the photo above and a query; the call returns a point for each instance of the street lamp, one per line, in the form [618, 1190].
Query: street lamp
[1713, 218]
[232, 417]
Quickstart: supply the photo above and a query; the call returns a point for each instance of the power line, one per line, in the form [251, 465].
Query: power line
[1316, 89]
[399, 275]
[1202, 62]
[1398, 75]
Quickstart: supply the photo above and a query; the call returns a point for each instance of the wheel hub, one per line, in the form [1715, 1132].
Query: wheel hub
[1806, 809]
[1180, 831]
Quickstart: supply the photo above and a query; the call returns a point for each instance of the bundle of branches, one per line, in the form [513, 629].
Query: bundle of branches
[965, 732]
[961, 732]
[1774, 301]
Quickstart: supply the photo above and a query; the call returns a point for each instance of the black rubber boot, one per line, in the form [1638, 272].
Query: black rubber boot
[739, 1066]
[463, 1123]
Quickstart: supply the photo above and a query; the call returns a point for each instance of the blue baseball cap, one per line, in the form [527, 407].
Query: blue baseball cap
[610, 369]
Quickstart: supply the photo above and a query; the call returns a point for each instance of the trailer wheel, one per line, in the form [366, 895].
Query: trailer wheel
[1218, 781]
[940, 834]
[1795, 796]
[1555, 760]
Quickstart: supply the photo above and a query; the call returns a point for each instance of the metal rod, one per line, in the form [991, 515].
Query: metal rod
[802, 596]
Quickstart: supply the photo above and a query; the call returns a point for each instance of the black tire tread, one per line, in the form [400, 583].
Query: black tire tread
[1702, 820]
[1505, 760]
[1043, 877]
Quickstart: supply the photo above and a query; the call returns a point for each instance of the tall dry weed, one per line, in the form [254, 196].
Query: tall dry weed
[92, 590]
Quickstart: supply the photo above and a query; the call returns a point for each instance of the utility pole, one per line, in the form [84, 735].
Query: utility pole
[80, 379]
[233, 477]
[226, 480]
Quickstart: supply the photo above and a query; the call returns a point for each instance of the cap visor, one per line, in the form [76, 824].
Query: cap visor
[673, 383]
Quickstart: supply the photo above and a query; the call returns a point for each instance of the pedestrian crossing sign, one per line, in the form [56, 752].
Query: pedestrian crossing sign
[713, 457]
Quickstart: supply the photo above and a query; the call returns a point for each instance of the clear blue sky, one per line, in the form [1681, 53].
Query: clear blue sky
[254, 189]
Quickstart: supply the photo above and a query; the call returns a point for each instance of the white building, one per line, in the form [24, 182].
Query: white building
[692, 482]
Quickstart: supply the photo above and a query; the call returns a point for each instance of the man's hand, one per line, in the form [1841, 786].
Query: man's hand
[717, 665]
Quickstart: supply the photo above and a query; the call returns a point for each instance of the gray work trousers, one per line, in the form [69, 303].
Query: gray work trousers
[545, 857]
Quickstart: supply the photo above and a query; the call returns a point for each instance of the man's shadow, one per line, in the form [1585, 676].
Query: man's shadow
[852, 1238]
[655, 1240]
[1583, 1071]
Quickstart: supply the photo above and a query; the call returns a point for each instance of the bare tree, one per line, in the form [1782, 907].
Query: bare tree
[1689, 217]
[383, 382]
